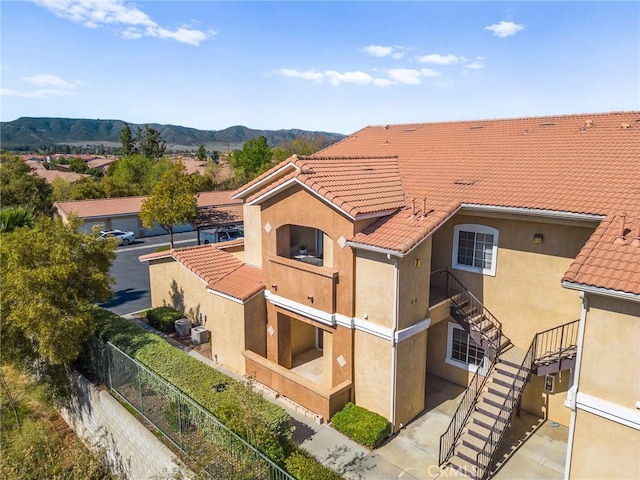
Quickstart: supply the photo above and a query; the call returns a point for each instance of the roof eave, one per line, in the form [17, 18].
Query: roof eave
[241, 194]
[558, 214]
[607, 292]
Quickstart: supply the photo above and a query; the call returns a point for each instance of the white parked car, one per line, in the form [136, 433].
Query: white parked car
[124, 238]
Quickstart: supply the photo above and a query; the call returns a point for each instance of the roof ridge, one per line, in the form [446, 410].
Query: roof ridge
[497, 119]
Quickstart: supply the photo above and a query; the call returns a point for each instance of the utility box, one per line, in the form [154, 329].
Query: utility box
[199, 335]
[183, 327]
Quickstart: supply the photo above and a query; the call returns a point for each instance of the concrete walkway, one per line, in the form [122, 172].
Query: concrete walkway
[533, 449]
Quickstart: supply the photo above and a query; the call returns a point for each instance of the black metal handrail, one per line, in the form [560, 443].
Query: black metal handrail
[557, 343]
[455, 291]
[451, 436]
[486, 456]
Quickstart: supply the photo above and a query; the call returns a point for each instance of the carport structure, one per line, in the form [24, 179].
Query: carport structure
[122, 213]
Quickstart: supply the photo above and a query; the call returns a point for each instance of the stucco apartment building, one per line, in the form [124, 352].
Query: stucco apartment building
[502, 255]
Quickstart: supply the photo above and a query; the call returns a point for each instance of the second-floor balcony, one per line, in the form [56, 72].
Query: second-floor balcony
[304, 283]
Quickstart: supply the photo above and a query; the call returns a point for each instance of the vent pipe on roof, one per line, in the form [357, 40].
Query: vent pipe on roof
[424, 206]
[620, 238]
[636, 239]
[413, 206]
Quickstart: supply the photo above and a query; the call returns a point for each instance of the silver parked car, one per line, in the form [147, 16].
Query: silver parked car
[124, 238]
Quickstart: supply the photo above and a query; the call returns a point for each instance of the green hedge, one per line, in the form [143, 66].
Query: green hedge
[363, 426]
[303, 467]
[247, 413]
[163, 318]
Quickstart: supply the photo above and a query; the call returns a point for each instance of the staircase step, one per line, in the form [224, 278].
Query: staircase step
[498, 388]
[467, 454]
[461, 467]
[487, 409]
[479, 431]
[496, 400]
[473, 442]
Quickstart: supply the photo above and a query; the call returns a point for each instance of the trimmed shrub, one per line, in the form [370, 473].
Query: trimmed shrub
[303, 467]
[163, 318]
[262, 423]
[362, 425]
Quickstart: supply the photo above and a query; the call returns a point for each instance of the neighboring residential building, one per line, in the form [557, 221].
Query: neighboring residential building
[451, 248]
[216, 208]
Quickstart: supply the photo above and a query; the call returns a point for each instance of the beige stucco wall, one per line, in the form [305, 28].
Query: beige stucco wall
[548, 405]
[375, 288]
[604, 449]
[525, 295]
[303, 337]
[411, 378]
[372, 373]
[173, 285]
[252, 235]
[611, 345]
[415, 275]
[296, 206]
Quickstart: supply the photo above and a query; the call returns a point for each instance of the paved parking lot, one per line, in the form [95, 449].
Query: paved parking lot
[131, 290]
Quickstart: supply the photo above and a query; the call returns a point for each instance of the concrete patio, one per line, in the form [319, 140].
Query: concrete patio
[533, 447]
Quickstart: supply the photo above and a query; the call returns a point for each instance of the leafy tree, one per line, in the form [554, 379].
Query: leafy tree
[51, 277]
[20, 187]
[253, 159]
[201, 154]
[85, 189]
[61, 190]
[16, 217]
[126, 139]
[78, 165]
[298, 146]
[173, 201]
[152, 146]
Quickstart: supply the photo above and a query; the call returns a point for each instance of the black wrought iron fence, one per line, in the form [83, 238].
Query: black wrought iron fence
[220, 452]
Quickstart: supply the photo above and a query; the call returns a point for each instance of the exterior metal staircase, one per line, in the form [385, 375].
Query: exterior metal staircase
[471, 442]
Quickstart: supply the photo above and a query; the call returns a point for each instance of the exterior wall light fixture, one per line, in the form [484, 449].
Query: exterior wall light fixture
[538, 238]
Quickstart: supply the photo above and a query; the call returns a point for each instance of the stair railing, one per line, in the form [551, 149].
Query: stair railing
[455, 290]
[486, 456]
[460, 418]
[557, 343]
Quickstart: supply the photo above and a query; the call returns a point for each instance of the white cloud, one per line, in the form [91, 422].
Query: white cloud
[332, 76]
[395, 52]
[48, 80]
[427, 72]
[383, 82]
[407, 76]
[505, 29]
[439, 59]
[378, 50]
[97, 13]
[475, 64]
[50, 86]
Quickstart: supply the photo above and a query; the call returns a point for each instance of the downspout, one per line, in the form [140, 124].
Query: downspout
[576, 380]
[394, 349]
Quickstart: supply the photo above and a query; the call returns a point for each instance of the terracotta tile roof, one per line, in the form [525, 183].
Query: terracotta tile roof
[581, 164]
[221, 271]
[131, 205]
[357, 185]
[50, 175]
[611, 257]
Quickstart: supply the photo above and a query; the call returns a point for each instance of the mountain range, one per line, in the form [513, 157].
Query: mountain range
[31, 134]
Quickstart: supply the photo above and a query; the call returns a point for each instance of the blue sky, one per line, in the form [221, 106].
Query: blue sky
[330, 66]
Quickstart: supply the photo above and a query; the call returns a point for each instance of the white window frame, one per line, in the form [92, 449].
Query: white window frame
[473, 228]
[449, 360]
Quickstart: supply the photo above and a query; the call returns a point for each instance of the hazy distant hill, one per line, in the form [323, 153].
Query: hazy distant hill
[41, 132]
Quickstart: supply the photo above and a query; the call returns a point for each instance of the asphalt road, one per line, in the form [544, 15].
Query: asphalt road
[131, 290]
